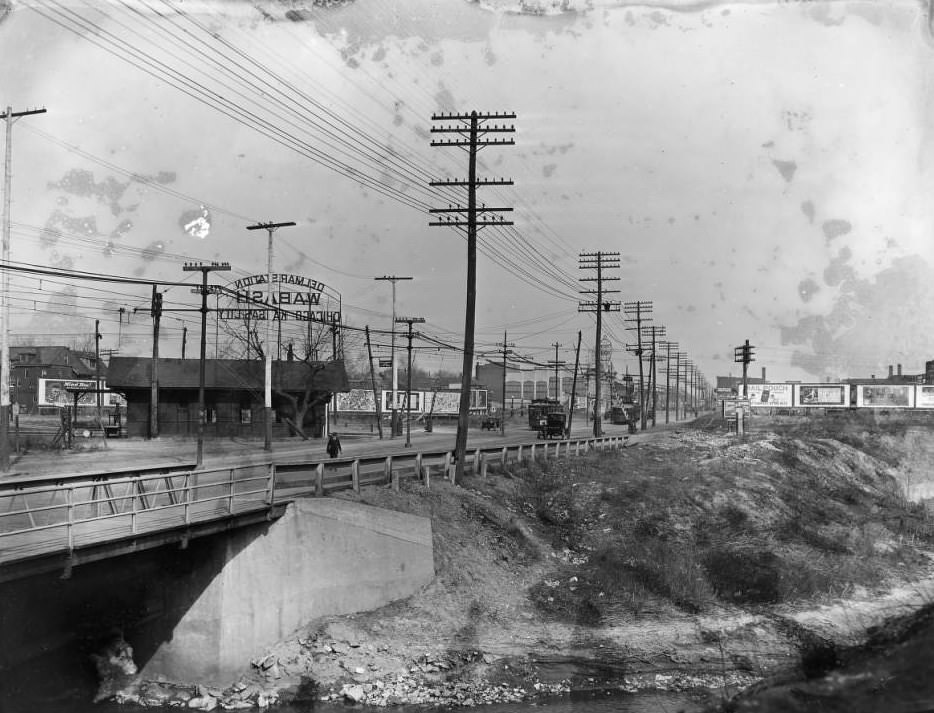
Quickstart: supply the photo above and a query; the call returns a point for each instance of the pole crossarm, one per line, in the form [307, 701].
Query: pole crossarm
[472, 127]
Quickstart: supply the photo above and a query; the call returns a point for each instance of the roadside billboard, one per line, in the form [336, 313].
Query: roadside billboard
[924, 396]
[401, 401]
[820, 395]
[770, 395]
[885, 395]
[356, 400]
[61, 392]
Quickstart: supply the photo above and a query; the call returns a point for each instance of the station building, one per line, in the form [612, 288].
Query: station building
[234, 395]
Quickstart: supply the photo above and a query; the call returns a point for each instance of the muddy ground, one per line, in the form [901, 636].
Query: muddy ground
[691, 560]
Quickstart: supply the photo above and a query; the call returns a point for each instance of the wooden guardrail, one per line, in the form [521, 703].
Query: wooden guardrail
[64, 513]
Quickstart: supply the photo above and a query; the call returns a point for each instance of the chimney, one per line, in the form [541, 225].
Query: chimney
[899, 369]
[763, 374]
[890, 371]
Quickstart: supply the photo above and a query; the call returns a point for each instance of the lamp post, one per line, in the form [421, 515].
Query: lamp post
[270, 228]
[408, 390]
[203, 289]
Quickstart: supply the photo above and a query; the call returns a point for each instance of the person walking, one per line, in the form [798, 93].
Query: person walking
[334, 445]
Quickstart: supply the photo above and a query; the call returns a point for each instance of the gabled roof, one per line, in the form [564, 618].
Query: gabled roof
[81, 362]
[136, 373]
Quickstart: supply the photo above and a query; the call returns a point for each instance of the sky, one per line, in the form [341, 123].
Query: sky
[761, 168]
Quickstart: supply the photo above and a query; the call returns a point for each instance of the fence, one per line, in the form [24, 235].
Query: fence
[62, 514]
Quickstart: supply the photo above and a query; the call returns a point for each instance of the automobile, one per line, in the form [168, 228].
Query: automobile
[553, 425]
[491, 423]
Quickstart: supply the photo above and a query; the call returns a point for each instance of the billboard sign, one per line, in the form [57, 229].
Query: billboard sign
[924, 396]
[820, 395]
[401, 401]
[61, 392]
[885, 395]
[770, 395]
[359, 400]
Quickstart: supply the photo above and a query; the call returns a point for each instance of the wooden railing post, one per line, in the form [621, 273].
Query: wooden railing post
[230, 491]
[518, 454]
[483, 466]
[319, 480]
[271, 485]
[476, 462]
[355, 475]
[187, 502]
[418, 469]
[392, 474]
[70, 499]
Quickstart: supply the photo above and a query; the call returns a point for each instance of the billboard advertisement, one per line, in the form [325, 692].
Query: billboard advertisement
[924, 397]
[357, 400]
[885, 395]
[820, 395]
[447, 402]
[61, 392]
[401, 401]
[769, 395]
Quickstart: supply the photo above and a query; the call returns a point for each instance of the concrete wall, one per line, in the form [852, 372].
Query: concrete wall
[323, 557]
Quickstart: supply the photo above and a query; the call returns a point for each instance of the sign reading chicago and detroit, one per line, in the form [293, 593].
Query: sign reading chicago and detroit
[293, 297]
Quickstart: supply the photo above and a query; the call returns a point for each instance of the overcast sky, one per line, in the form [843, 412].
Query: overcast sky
[764, 170]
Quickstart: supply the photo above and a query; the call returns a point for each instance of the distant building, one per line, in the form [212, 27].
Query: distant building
[234, 395]
[734, 384]
[34, 368]
[894, 377]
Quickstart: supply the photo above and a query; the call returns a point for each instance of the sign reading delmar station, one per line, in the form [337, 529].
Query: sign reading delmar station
[293, 297]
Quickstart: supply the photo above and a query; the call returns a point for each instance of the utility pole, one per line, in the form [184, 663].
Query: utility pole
[556, 364]
[577, 361]
[472, 130]
[156, 312]
[506, 351]
[668, 347]
[678, 357]
[184, 339]
[204, 269]
[640, 310]
[598, 261]
[10, 116]
[369, 351]
[270, 228]
[97, 367]
[408, 389]
[394, 416]
[655, 332]
[744, 354]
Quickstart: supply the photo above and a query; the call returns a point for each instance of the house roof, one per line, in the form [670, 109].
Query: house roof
[136, 373]
[81, 363]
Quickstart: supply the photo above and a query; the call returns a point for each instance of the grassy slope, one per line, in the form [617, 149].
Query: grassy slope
[687, 554]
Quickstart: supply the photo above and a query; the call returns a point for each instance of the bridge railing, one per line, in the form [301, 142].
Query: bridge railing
[76, 511]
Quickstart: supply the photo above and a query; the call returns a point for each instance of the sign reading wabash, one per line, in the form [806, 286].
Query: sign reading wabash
[293, 297]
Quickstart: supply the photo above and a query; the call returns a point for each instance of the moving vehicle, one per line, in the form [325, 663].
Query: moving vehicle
[553, 424]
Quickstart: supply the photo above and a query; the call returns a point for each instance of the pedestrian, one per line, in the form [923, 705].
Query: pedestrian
[334, 445]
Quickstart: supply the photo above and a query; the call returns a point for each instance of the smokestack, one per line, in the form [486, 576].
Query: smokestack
[763, 374]
[899, 369]
[890, 371]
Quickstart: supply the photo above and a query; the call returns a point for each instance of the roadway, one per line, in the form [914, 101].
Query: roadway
[99, 455]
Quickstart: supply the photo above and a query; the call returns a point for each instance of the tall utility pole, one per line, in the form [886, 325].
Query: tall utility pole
[10, 116]
[678, 357]
[472, 130]
[156, 311]
[506, 351]
[394, 417]
[556, 364]
[408, 389]
[638, 312]
[744, 355]
[369, 351]
[267, 350]
[688, 396]
[654, 332]
[205, 269]
[668, 347]
[577, 362]
[598, 261]
[97, 367]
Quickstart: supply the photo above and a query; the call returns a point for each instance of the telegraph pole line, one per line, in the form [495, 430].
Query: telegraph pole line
[203, 289]
[654, 331]
[156, 312]
[394, 415]
[637, 312]
[678, 356]
[598, 261]
[505, 347]
[369, 351]
[10, 116]
[472, 130]
[668, 347]
[743, 354]
[408, 390]
[270, 228]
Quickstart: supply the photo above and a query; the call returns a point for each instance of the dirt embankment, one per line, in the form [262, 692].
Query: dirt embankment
[690, 560]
